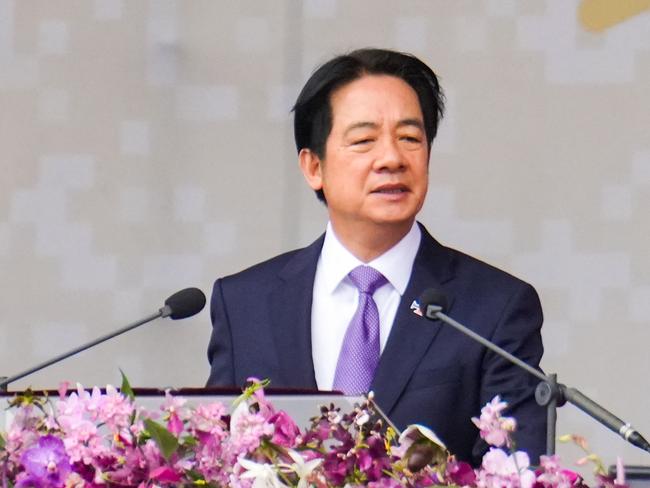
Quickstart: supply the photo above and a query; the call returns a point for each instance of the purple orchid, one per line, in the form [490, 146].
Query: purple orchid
[46, 465]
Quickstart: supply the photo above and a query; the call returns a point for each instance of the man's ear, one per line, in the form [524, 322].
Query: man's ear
[311, 167]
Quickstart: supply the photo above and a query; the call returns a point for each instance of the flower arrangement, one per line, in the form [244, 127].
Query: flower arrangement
[95, 439]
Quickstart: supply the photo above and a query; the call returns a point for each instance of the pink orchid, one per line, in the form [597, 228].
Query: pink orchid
[115, 409]
[551, 474]
[63, 389]
[501, 470]
[285, 429]
[495, 429]
[385, 482]
[209, 418]
[165, 474]
[461, 473]
[175, 404]
[620, 472]
[247, 430]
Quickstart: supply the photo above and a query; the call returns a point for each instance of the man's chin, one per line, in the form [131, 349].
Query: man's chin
[394, 221]
[394, 214]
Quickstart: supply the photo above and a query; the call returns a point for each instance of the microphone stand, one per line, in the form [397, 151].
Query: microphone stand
[180, 305]
[549, 393]
[4, 381]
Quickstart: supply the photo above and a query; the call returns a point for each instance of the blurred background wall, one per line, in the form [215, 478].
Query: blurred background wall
[146, 146]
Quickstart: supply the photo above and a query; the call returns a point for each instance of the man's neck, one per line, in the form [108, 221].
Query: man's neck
[369, 241]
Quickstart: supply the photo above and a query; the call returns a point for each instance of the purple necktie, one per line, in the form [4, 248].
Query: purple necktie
[359, 354]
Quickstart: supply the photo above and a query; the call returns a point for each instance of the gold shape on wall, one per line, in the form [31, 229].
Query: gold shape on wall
[598, 15]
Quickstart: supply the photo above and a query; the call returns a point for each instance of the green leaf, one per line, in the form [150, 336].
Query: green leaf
[190, 441]
[250, 390]
[195, 475]
[126, 389]
[167, 443]
[2, 442]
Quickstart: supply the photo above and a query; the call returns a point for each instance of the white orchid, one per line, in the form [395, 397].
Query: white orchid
[302, 468]
[263, 475]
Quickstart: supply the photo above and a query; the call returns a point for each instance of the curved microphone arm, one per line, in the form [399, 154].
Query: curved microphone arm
[549, 393]
[180, 305]
[6, 381]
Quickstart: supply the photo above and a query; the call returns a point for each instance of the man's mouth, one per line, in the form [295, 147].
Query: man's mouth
[391, 189]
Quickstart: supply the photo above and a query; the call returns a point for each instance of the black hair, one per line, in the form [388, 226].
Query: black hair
[313, 110]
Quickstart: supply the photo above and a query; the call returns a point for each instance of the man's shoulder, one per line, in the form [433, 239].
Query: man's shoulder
[270, 266]
[482, 294]
[476, 272]
[478, 267]
[286, 263]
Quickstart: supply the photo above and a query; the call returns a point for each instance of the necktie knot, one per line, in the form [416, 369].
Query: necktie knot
[367, 279]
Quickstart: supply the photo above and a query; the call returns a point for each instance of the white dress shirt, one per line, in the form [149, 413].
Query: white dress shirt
[335, 297]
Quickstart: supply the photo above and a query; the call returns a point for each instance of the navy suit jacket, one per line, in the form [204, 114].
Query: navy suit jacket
[428, 373]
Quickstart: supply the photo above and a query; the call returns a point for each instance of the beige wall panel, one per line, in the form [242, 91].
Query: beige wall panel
[146, 146]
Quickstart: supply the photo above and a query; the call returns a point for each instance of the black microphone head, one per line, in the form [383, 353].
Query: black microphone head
[184, 303]
[431, 296]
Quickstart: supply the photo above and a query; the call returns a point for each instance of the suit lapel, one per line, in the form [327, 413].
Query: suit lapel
[411, 334]
[290, 307]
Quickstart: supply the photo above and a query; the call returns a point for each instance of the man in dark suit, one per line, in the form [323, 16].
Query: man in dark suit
[364, 125]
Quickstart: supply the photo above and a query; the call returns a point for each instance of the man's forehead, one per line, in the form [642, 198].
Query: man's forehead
[367, 100]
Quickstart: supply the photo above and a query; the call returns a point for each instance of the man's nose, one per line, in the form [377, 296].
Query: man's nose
[390, 157]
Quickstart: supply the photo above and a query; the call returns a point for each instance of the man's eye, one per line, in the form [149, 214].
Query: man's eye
[411, 139]
[367, 140]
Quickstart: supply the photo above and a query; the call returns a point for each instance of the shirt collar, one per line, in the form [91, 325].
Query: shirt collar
[395, 264]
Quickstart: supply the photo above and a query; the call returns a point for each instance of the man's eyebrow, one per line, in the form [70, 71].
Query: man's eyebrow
[360, 125]
[411, 122]
[372, 125]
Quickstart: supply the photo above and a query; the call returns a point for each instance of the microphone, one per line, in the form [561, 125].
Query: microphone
[433, 305]
[180, 305]
[183, 304]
